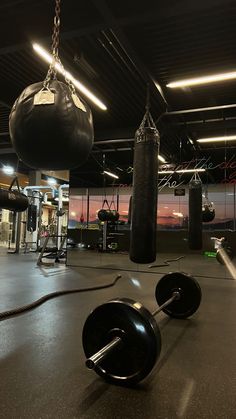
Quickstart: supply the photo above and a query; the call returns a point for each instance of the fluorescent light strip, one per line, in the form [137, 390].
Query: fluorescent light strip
[217, 139]
[203, 80]
[182, 171]
[161, 159]
[48, 57]
[110, 174]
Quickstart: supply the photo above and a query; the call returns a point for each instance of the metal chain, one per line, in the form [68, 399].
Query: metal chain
[52, 72]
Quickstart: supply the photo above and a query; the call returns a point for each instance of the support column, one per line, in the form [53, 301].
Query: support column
[34, 178]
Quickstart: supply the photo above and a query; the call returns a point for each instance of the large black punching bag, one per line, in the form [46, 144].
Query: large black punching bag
[195, 215]
[51, 128]
[144, 197]
[13, 200]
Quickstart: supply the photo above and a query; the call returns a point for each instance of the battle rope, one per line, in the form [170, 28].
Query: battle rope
[9, 313]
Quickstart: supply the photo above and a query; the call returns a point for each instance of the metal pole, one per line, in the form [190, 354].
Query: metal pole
[175, 296]
[104, 237]
[94, 360]
[209, 108]
[234, 207]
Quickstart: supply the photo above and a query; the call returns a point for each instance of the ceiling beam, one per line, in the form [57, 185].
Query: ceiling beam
[8, 150]
[119, 34]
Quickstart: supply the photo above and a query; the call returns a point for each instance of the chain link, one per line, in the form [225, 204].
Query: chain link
[52, 72]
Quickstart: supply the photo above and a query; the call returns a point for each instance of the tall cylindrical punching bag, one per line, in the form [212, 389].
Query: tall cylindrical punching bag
[144, 197]
[195, 215]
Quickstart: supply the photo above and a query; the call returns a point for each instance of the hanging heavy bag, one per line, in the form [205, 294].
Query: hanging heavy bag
[51, 128]
[113, 215]
[144, 199]
[208, 213]
[13, 200]
[195, 214]
[104, 214]
[54, 133]
[32, 218]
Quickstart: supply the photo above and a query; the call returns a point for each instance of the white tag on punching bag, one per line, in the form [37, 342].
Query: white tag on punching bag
[44, 97]
[78, 102]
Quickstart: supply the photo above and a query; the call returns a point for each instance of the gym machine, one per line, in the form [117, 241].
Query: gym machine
[121, 338]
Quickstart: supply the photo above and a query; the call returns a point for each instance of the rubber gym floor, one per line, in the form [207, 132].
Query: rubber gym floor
[41, 357]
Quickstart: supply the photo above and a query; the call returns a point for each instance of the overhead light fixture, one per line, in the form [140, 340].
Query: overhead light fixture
[161, 159]
[181, 171]
[217, 139]
[178, 214]
[202, 80]
[8, 170]
[110, 174]
[48, 57]
[51, 181]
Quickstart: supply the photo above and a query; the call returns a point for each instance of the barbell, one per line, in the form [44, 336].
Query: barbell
[121, 338]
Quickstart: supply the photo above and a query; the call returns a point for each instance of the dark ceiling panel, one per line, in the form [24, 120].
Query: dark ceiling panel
[114, 48]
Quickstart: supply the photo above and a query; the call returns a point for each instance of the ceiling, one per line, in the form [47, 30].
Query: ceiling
[116, 48]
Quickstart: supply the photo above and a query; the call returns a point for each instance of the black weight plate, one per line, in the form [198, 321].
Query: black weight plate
[134, 359]
[190, 294]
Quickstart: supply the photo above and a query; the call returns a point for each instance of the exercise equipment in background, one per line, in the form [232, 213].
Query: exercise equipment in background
[51, 128]
[144, 198]
[108, 214]
[195, 213]
[208, 210]
[103, 213]
[31, 223]
[13, 200]
[121, 338]
[114, 214]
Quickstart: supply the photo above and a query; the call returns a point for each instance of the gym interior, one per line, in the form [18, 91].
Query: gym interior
[117, 209]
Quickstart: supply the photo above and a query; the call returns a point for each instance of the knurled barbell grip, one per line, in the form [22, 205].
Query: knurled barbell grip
[95, 359]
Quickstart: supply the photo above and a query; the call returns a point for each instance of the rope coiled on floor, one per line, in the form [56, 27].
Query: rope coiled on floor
[19, 310]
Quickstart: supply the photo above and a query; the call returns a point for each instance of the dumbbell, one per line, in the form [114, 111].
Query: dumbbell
[121, 338]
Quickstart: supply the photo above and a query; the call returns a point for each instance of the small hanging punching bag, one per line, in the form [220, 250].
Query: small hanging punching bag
[195, 215]
[144, 197]
[51, 128]
[13, 200]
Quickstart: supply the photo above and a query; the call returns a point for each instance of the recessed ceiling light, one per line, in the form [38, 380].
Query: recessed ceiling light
[217, 139]
[203, 80]
[51, 181]
[8, 170]
[48, 57]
